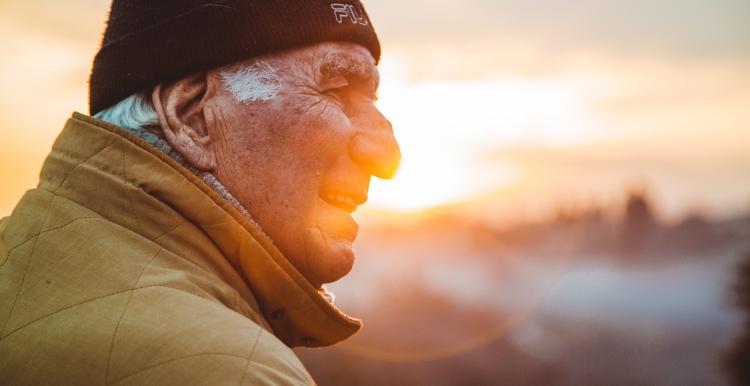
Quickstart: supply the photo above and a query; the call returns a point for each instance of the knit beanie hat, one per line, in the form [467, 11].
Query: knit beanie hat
[148, 42]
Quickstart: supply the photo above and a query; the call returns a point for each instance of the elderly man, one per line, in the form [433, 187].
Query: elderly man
[183, 234]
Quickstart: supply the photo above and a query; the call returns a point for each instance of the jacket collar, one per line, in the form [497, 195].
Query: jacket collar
[298, 313]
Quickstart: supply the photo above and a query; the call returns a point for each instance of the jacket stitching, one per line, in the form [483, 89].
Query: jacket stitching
[250, 357]
[95, 299]
[36, 240]
[133, 212]
[122, 314]
[114, 334]
[43, 232]
[238, 298]
[183, 258]
[81, 163]
[304, 375]
[151, 367]
[26, 271]
[182, 222]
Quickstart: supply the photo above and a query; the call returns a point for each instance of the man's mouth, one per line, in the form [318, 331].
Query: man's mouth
[343, 201]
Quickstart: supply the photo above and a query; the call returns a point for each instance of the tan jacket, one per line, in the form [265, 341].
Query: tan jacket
[123, 268]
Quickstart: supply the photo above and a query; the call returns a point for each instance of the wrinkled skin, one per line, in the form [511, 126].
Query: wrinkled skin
[287, 159]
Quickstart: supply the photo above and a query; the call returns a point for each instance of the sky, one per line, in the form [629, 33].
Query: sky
[518, 105]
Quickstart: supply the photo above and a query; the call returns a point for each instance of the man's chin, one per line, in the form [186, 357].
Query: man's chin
[337, 265]
[328, 259]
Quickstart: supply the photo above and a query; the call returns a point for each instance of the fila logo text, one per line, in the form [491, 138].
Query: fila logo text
[348, 11]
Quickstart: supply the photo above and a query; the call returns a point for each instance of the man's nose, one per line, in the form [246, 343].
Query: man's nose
[375, 149]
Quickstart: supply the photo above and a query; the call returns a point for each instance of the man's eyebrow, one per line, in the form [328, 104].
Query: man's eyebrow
[346, 66]
[355, 70]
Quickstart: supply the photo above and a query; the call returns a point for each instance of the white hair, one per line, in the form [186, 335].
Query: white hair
[133, 112]
[246, 82]
[250, 83]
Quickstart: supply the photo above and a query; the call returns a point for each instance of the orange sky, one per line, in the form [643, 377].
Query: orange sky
[528, 103]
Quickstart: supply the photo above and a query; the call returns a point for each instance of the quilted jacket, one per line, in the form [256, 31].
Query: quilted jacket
[124, 268]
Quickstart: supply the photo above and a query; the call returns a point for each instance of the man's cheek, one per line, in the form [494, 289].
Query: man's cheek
[322, 118]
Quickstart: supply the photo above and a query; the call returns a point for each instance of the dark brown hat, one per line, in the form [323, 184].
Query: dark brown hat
[148, 42]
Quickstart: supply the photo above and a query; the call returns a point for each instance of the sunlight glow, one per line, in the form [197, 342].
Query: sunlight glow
[442, 126]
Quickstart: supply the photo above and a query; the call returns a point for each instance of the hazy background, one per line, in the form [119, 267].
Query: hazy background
[573, 198]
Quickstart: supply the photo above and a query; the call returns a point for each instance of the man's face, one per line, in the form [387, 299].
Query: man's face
[301, 161]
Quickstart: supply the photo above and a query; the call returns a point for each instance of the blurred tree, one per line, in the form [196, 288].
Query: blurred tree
[639, 223]
[737, 361]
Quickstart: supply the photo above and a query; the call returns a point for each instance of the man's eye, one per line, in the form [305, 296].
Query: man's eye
[335, 87]
[335, 93]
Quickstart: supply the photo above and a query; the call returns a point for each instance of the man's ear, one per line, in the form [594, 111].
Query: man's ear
[180, 107]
